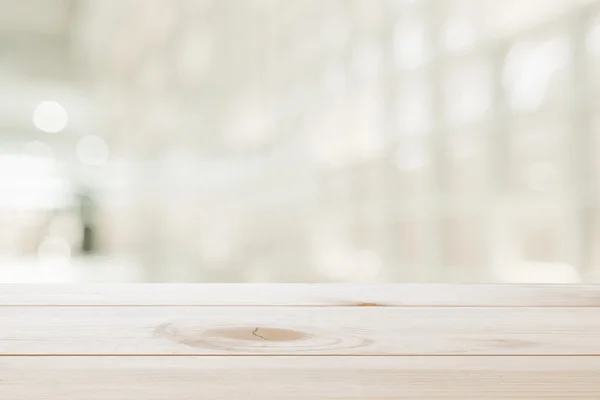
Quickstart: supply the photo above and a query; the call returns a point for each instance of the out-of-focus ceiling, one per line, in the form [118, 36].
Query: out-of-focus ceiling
[44, 17]
[34, 38]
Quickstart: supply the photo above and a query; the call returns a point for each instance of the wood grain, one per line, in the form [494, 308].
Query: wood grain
[270, 295]
[282, 342]
[299, 330]
[286, 378]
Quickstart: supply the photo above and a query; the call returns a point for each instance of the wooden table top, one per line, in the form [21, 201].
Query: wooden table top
[286, 341]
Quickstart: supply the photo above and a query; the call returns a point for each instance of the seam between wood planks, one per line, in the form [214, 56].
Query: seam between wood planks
[231, 305]
[294, 355]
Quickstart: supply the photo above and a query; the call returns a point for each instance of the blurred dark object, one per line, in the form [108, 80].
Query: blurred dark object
[87, 215]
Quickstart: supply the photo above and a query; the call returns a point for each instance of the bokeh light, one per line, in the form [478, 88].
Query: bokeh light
[92, 150]
[50, 117]
[529, 69]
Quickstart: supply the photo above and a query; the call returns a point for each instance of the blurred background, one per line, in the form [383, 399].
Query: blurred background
[299, 141]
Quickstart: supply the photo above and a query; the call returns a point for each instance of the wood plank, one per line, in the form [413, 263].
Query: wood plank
[438, 295]
[288, 378]
[299, 330]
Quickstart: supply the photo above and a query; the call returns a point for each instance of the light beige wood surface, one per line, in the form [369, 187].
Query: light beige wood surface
[283, 378]
[299, 330]
[441, 295]
[276, 342]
